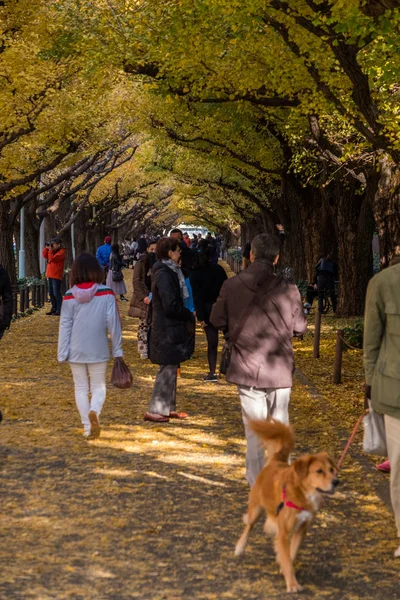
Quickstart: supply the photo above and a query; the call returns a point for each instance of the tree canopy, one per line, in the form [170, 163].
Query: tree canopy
[225, 113]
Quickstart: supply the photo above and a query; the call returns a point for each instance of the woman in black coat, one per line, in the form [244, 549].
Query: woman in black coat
[172, 333]
[206, 281]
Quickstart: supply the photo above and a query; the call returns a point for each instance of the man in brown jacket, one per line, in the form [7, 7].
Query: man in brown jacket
[260, 312]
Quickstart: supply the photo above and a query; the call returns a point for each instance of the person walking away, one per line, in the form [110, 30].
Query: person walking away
[133, 251]
[6, 301]
[172, 332]
[187, 255]
[218, 241]
[88, 312]
[126, 252]
[206, 280]
[55, 256]
[326, 270]
[382, 367]
[312, 290]
[193, 245]
[103, 255]
[142, 244]
[385, 465]
[260, 312]
[212, 244]
[140, 305]
[115, 276]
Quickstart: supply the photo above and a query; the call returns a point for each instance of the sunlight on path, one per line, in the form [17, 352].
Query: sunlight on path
[153, 512]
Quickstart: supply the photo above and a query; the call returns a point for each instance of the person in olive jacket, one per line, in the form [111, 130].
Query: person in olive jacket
[6, 301]
[172, 334]
[382, 366]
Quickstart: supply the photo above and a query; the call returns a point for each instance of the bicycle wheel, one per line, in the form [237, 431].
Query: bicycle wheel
[326, 305]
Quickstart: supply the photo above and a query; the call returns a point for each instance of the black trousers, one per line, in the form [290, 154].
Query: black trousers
[55, 294]
[212, 342]
[326, 284]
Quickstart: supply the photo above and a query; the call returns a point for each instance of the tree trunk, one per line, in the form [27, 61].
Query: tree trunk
[308, 228]
[80, 233]
[7, 257]
[351, 208]
[386, 207]
[32, 227]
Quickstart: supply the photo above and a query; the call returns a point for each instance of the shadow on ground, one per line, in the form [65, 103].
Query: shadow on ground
[153, 512]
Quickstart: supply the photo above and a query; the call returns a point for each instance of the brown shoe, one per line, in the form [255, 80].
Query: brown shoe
[156, 418]
[94, 424]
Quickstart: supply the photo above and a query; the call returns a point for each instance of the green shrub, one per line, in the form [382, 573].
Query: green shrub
[302, 285]
[236, 253]
[29, 281]
[354, 335]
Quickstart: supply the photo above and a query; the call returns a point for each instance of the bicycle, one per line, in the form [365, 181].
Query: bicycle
[326, 302]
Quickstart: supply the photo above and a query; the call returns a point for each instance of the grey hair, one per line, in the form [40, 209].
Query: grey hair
[265, 245]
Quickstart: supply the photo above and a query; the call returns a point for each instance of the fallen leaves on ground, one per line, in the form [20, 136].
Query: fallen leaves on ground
[154, 511]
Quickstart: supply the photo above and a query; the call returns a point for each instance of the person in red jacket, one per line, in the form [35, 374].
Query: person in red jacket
[55, 256]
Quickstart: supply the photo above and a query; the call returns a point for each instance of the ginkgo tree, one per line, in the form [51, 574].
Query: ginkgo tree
[264, 111]
[323, 74]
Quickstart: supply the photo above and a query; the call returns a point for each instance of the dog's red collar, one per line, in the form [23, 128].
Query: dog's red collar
[285, 503]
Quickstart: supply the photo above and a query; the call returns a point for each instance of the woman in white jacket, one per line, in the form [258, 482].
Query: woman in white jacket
[88, 311]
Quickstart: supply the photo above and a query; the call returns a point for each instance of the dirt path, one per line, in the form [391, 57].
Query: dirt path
[153, 512]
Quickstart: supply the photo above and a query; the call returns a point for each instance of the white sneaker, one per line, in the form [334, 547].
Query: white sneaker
[397, 553]
[86, 433]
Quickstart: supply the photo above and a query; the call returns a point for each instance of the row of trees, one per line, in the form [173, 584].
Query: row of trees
[217, 111]
[71, 150]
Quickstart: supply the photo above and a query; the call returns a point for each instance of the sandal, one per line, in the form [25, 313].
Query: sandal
[384, 467]
[176, 415]
[155, 418]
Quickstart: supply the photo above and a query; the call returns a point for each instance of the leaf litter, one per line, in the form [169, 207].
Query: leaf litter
[154, 512]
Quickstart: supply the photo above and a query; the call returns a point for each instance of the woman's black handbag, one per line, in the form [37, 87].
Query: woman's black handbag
[117, 276]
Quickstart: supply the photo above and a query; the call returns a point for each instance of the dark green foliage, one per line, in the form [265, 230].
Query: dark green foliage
[354, 335]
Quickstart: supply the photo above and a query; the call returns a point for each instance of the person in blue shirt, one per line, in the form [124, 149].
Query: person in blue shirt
[103, 254]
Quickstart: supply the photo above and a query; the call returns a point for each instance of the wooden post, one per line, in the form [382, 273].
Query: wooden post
[22, 299]
[35, 295]
[337, 369]
[317, 334]
[15, 301]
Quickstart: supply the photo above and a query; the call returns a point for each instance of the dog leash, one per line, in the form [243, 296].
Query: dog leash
[351, 438]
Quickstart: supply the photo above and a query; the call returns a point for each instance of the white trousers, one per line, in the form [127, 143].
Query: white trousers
[392, 426]
[260, 404]
[81, 373]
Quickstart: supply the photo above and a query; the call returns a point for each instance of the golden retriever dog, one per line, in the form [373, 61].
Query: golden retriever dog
[289, 494]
